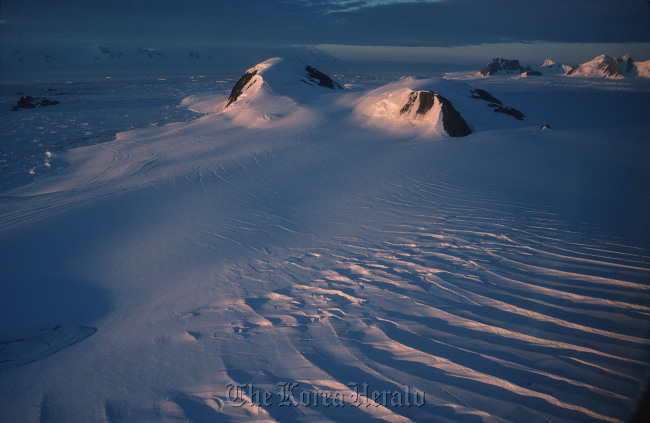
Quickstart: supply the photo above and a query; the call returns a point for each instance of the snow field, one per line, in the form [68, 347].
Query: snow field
[287, 240]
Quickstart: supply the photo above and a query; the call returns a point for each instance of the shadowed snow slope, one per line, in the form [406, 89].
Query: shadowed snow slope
[289, 259]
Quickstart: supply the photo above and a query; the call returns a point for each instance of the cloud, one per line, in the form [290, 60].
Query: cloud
[463, 22]
[444, 23]
[342, 6]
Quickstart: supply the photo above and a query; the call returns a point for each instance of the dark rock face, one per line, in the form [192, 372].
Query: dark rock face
[610, 68]
[319, 78]
[503, 65]
[573, 70]
[30, 102]
[496, 104]
[452, 121]
[629, 64]
[484, 95]
[532, 73]
[423, 99]
[411, 101]
[508, 111]
[239, 87]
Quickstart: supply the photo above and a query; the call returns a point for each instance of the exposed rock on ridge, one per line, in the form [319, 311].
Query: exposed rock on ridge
[452, 121]
[496, 104]
[499, 64]
[281, 76]
[241, 83]
[319, 78]
[608, 67]
[278, 88]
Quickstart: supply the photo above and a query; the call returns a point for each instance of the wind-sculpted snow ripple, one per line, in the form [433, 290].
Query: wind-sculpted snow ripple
[479, 302]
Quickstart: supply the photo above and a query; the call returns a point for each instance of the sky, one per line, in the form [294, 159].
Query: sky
[383, 30]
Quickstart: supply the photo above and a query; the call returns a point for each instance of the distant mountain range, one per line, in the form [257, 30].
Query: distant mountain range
[500, 65]
[110, 58]
[100, 53]
[50, 62]
[602, 66]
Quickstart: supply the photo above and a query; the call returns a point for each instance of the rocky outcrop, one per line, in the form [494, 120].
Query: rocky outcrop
[319, 78]
[29, 102]
[241, 83]
[499, 64]
[113, 54]
[510, 111]
[496, 104]
[424, 101]
[480, 94]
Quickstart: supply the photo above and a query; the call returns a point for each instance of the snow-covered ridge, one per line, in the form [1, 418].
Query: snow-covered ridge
[278, 91]
[272, 92]
[278, 87]
[282, 76]
[604, 66]
[102, 54]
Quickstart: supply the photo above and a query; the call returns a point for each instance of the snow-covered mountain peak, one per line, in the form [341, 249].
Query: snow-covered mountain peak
[426, 104]
[276, 91]
[605, 66]
[434, 106]
[551, 67]
[548, 63]
[281, 76]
